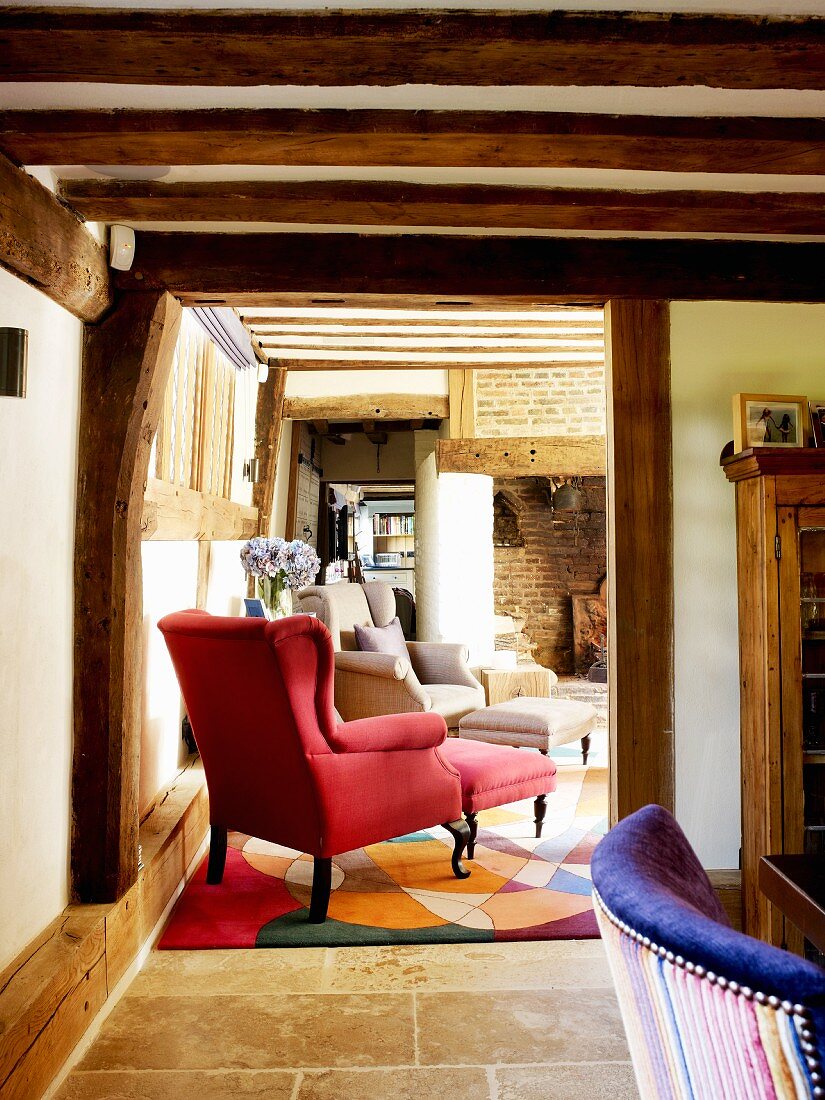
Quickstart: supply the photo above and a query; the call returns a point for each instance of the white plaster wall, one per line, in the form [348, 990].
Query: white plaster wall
[38, 460]
[277, 524]
[227, 580]
[453, 554]
[360, 460]
[347, 383]
[718, 349]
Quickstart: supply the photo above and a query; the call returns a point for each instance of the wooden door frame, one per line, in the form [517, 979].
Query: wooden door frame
[108, 578]
[640, 556]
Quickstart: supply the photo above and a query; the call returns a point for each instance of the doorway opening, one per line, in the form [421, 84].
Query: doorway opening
[461, 470]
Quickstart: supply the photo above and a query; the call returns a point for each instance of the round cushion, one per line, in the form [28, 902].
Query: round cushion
[492, 775]
[530, 723]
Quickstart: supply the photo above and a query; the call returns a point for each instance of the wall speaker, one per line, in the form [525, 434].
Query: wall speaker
[14, 353]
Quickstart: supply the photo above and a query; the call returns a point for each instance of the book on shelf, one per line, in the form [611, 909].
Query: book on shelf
[385, 523]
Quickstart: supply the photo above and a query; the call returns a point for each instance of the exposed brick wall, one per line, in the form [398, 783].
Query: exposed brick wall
[557, 399]
[562, 555]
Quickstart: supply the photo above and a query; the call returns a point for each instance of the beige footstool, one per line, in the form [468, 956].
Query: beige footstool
[531, 723]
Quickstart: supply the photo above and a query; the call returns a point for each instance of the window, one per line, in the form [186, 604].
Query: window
[195, 437]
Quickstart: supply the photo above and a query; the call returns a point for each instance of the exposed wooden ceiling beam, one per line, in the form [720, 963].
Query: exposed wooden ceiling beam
[511, 139]
[524, 456]
[45, 245]
[377, 406]
[349, 269]
[461, 205]
[377, 436]
[124, 46]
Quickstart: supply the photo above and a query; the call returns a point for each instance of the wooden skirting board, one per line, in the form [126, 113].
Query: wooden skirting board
[524, 456]
[173, 512]
[51, 993]
[728, 887]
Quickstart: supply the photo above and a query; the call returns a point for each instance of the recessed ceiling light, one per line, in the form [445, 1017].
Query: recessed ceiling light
[130, 171]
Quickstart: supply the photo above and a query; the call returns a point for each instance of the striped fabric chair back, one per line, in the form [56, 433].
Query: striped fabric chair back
[710, 1014]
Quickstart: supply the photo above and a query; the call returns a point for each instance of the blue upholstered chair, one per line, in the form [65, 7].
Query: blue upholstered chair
[709, 1013]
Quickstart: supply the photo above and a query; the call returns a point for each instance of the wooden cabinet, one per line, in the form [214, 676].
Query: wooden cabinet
[780, 522]
[396, 578]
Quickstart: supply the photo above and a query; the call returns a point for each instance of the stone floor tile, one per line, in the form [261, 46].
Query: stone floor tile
[396, 1084]
[581, 1082]
[187, 1085]
[231, 1032]
[214, 973]
[579, 964]
[524, 1026]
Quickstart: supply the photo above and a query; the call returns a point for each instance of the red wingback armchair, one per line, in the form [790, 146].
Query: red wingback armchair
[278, 764]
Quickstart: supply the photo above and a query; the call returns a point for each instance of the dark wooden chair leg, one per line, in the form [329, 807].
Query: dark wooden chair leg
[585, 747]
[540, 808]
[217, 855]
[472, 825]
[321, 888]
[460, 832]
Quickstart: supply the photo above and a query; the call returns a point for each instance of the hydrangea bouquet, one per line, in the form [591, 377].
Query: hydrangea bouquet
[278, 567]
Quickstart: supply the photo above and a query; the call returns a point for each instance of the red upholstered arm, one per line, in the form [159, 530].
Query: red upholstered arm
[390, 733]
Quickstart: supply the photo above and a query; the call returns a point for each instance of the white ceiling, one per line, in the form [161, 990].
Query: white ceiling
[524, 177]
[419, 97]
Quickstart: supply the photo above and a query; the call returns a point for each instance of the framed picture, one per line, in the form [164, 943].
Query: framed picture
[818, 422]
[255, 609]
[769, 420]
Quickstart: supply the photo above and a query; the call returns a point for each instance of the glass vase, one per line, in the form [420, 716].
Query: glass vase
[276, 596]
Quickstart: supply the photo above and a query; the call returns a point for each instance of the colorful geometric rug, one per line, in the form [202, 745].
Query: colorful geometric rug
[403, 891]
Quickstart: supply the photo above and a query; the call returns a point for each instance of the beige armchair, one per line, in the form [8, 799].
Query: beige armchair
[437, 676]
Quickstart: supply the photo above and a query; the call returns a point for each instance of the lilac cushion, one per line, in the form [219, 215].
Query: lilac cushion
[382, 639]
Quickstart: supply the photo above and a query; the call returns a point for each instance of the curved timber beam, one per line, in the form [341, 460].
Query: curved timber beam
[126, 364]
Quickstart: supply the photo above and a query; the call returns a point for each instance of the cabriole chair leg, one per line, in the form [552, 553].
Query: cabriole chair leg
[321, 888]
[472, 823]
[460, 832]
[217, 855]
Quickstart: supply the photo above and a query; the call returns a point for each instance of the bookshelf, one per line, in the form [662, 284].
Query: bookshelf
[393, 532]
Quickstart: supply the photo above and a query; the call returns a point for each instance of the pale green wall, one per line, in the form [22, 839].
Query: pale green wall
[718, 349]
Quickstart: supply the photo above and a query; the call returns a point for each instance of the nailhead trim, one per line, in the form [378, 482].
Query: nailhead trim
[806, 1034]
